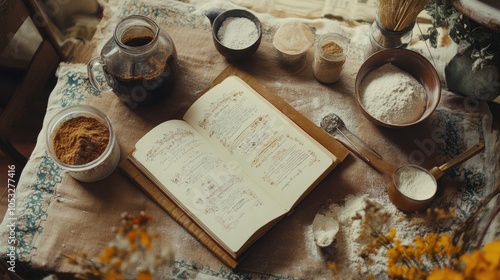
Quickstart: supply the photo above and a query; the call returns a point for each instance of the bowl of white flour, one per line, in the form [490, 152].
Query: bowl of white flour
[236, 34]
[397, 88]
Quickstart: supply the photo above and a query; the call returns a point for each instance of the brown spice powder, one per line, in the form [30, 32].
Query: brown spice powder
[80, 140]
[332, 48]
[327, 69]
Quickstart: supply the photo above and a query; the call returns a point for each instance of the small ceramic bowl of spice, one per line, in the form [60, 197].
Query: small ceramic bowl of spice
[236, 34]
[82, 141]
[397, 88]
[329, 57]
[292, 40]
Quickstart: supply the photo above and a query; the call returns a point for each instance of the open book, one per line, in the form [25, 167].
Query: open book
[234, 164]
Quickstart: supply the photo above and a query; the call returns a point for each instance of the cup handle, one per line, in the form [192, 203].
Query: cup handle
[95, 65]
[438, 172]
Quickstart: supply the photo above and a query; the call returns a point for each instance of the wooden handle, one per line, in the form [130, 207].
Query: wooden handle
[458, 160]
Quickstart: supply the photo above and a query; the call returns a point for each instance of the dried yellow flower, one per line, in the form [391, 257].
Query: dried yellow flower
[132, 238]
[483, 264]
[492, 253]
[144, 275]
[445, 274]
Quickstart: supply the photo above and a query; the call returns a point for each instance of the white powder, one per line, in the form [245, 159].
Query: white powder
[293, 38]
[393, 95]
[346, 250]
[415, 183]
[347, 247]
[237, 33]
[325, 228]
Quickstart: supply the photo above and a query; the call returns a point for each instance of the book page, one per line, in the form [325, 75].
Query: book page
[204, 184]
[260, 139]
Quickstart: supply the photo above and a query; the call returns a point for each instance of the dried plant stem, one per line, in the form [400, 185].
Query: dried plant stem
[463, 228]
[481, 238]
[396, 15]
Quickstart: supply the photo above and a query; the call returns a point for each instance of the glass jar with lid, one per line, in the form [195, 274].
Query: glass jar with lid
[329, 57]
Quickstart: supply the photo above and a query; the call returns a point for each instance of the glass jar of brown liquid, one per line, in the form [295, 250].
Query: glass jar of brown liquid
[139, 63]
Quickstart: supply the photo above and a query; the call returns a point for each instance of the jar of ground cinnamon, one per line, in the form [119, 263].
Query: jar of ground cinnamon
[82, 141]
[329, 57]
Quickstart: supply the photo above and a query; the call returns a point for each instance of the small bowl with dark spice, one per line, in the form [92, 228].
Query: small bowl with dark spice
[236, 34]
[82, 141]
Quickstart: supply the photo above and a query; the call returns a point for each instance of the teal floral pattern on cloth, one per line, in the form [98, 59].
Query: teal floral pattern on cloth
[74, 88]
[35, 212]
[190, 270]
[473, 187]
[165, 15]
[77, 83]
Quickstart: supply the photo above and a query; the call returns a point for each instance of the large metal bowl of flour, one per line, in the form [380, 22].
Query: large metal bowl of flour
[411, 63]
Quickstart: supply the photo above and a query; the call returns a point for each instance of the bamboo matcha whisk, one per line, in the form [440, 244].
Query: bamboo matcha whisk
[396, 15]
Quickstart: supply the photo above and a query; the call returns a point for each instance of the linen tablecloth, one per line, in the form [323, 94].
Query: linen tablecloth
[57, 216]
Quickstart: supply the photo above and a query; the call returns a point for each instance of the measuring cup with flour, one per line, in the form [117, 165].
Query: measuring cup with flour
[411, 188]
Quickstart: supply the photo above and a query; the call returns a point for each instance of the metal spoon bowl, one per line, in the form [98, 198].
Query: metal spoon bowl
[332, 123]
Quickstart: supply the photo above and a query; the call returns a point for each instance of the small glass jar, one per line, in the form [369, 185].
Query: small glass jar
[329, 57]
[292, 42]
[382, 38]
[96, 169]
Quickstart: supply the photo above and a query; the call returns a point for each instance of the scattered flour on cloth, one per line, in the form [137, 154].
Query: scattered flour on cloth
[347, 247]
[393, 95]
[325, 229]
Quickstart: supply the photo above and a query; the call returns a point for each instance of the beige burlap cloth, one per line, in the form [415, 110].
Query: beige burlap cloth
[58, 216]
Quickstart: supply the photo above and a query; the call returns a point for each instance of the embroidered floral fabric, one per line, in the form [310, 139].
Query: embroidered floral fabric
[57, 216]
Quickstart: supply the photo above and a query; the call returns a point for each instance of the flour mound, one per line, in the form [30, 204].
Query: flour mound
[392, 95]
[325, 228]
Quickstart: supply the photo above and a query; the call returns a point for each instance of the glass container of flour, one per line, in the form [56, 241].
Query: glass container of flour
[292, 42]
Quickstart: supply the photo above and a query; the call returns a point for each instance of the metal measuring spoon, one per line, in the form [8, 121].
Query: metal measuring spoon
[332, 123]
